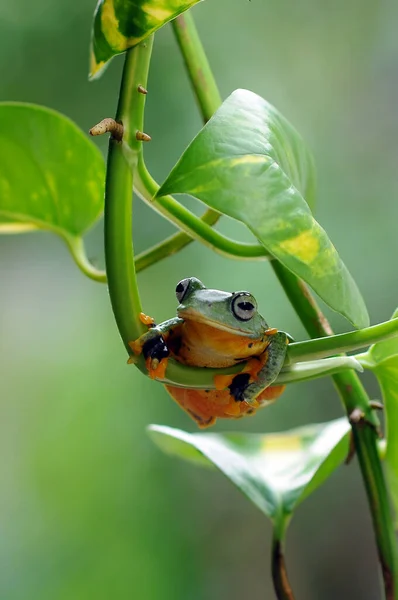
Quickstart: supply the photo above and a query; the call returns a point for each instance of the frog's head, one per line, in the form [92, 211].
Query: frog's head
[232, 312]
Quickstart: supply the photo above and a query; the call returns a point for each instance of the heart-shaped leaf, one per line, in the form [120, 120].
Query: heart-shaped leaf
[249, 163]
[382, 359]
[51, 174]
[275, 471]
[122, 24]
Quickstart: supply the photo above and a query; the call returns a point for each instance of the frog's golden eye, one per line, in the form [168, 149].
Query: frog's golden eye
[181, 288]
[243, 306]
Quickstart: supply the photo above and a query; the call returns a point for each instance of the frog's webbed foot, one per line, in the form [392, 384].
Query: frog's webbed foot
[156, 355]
[155, 351]
[153, 345]
[239, 385]
[258, 374]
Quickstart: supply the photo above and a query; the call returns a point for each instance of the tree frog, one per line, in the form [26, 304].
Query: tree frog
[216, 329]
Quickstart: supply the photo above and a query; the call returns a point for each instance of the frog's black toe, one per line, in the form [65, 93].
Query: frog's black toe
[239, 385]
[155, 348]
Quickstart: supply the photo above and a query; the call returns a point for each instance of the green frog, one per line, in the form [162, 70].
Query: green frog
[216, 329]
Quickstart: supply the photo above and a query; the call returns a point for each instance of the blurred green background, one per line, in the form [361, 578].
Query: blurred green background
[89, 508]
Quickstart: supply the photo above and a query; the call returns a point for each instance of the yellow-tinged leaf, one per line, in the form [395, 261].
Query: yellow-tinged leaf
[304, 246]
[251, 165]
[119, 26]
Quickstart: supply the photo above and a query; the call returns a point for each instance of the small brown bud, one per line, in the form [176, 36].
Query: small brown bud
[142, 137]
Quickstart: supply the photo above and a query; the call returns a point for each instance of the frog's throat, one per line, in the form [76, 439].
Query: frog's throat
[189, 314]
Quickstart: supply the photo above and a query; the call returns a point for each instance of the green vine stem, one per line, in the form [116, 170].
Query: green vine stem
[197, 65]
[171, 245]
[343, 342]
[365, 437]
[145, 259]
[119, 254]
[119, 258]
[146, 187]
[78, 252]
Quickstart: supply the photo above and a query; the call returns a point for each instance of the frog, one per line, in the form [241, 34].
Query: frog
[217, 329]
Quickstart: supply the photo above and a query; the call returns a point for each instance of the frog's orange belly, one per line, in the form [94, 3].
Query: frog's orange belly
[201, 345]
[204, 406]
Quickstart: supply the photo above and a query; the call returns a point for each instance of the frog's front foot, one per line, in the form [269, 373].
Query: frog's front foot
[155, 351]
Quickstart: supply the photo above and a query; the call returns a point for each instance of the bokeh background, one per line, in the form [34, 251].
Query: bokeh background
[89, 508]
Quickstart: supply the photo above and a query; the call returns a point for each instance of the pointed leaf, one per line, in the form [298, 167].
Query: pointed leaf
[122, 24]
[250, 164]
[382, 359]
[51, 174]
[275, 471]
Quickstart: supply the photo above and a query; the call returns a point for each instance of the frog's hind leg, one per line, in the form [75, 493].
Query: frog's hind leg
[193, 402]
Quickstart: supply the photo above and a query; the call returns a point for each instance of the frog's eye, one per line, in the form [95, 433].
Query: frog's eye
[181, 288]
[244, 306]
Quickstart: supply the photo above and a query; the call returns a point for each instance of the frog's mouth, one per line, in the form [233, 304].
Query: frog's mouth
[189, 314]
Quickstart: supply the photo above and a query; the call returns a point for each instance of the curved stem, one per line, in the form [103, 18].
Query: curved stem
[77, 249]
[146, 187]
[145, 259]
[354, 396]
[343, 342]
[209, 99]
[169, 246]
[119, 258]
[119, 254]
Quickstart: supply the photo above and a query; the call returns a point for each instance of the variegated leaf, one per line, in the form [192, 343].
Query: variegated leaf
[275, 471]
[51, 174]
[249, 163]
[121, 24]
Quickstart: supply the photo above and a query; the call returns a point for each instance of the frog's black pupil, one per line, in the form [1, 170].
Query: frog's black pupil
[247, 306]
[179, 288]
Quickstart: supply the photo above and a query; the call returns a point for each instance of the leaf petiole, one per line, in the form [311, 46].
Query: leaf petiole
[343, 342]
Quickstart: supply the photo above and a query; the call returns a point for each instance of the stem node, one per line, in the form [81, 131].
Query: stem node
[142, 137]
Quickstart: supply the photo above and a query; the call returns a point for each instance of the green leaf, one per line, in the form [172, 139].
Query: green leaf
[275, 471]
[382, 359]
[122, 24]
[249, 163]
[51, 174]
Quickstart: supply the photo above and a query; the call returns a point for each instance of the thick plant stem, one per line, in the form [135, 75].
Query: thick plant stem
[354, 397]
[119, 258]
[119, 253]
